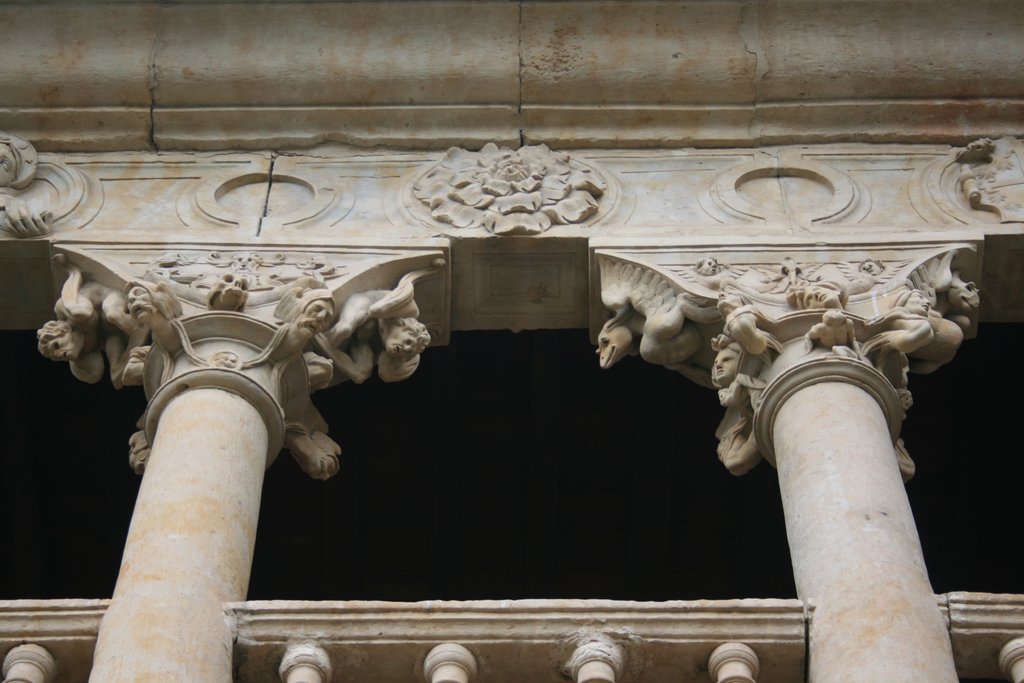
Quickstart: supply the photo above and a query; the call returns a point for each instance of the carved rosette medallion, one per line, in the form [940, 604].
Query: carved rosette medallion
[271, 326]
[759, 327]
[511, 192]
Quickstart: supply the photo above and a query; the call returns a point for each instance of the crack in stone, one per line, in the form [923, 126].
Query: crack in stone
[519, 53]
[152, 82]
[266, 198]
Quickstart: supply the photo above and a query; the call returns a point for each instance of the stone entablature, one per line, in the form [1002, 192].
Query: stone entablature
[549, 203]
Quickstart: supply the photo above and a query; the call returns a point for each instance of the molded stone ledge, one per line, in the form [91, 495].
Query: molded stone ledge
[980, 625]
[521, 639]
[514, 640]
[67, 628]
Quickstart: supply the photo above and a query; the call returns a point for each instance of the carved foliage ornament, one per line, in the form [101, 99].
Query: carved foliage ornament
[510, 192]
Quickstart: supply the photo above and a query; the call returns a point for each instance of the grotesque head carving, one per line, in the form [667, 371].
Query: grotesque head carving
[59, 341]
[404, 340]
[613, 344]
[963, 296]
[147, 301]
[229, 293]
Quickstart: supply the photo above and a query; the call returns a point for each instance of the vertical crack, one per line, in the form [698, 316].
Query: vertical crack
[152, 81]
[266, 198]
[519, 51]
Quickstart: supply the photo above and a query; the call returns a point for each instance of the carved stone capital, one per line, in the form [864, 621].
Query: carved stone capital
[759, 326]
[270, 326]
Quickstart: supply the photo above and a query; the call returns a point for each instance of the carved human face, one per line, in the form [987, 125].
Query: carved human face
[404, 337]
[59, 341]
[8, 165]
[918, 303]
[140, 303]
[316, 315]
[708, 266]
[871, 267]
[726, 367]
[613, 344]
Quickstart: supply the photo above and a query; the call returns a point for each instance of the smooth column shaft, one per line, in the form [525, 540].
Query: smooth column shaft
[855, 549]
[190, 545]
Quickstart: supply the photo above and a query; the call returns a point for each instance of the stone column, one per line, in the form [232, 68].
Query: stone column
[813, 354]
[856, 555]
[828, 418]
[190, 544]
[228, 387]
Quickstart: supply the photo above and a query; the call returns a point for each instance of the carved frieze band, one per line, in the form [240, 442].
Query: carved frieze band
[272, 326]
[758, 325]
[503, 191]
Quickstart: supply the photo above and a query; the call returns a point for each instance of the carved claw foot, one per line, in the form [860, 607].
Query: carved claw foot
[317, 454]
[139, 449]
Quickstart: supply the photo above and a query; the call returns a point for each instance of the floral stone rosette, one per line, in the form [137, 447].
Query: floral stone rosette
[510, 192]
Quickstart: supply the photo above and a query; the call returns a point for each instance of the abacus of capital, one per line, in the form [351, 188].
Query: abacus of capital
[805, 316]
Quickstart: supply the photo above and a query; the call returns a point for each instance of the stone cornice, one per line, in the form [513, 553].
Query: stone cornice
[192, 76]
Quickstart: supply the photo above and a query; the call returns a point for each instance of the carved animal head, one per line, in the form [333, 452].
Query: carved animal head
[963, 296]
[403, 336]
[58, 340]
[229, 293]
[614, 343]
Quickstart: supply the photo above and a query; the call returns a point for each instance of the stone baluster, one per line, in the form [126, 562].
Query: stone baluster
[1011, 660]
[29, 664]
[305, 663]
[598, 659]
[733, 663]
[449, 663]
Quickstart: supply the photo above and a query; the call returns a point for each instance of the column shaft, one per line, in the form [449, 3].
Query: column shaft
[190, 545]
[855, 549]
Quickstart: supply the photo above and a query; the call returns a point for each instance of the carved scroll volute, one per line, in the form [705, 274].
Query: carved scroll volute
[777, 327]
[272, 339]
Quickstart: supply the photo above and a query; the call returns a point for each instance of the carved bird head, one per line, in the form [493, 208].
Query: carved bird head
[614, 343]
